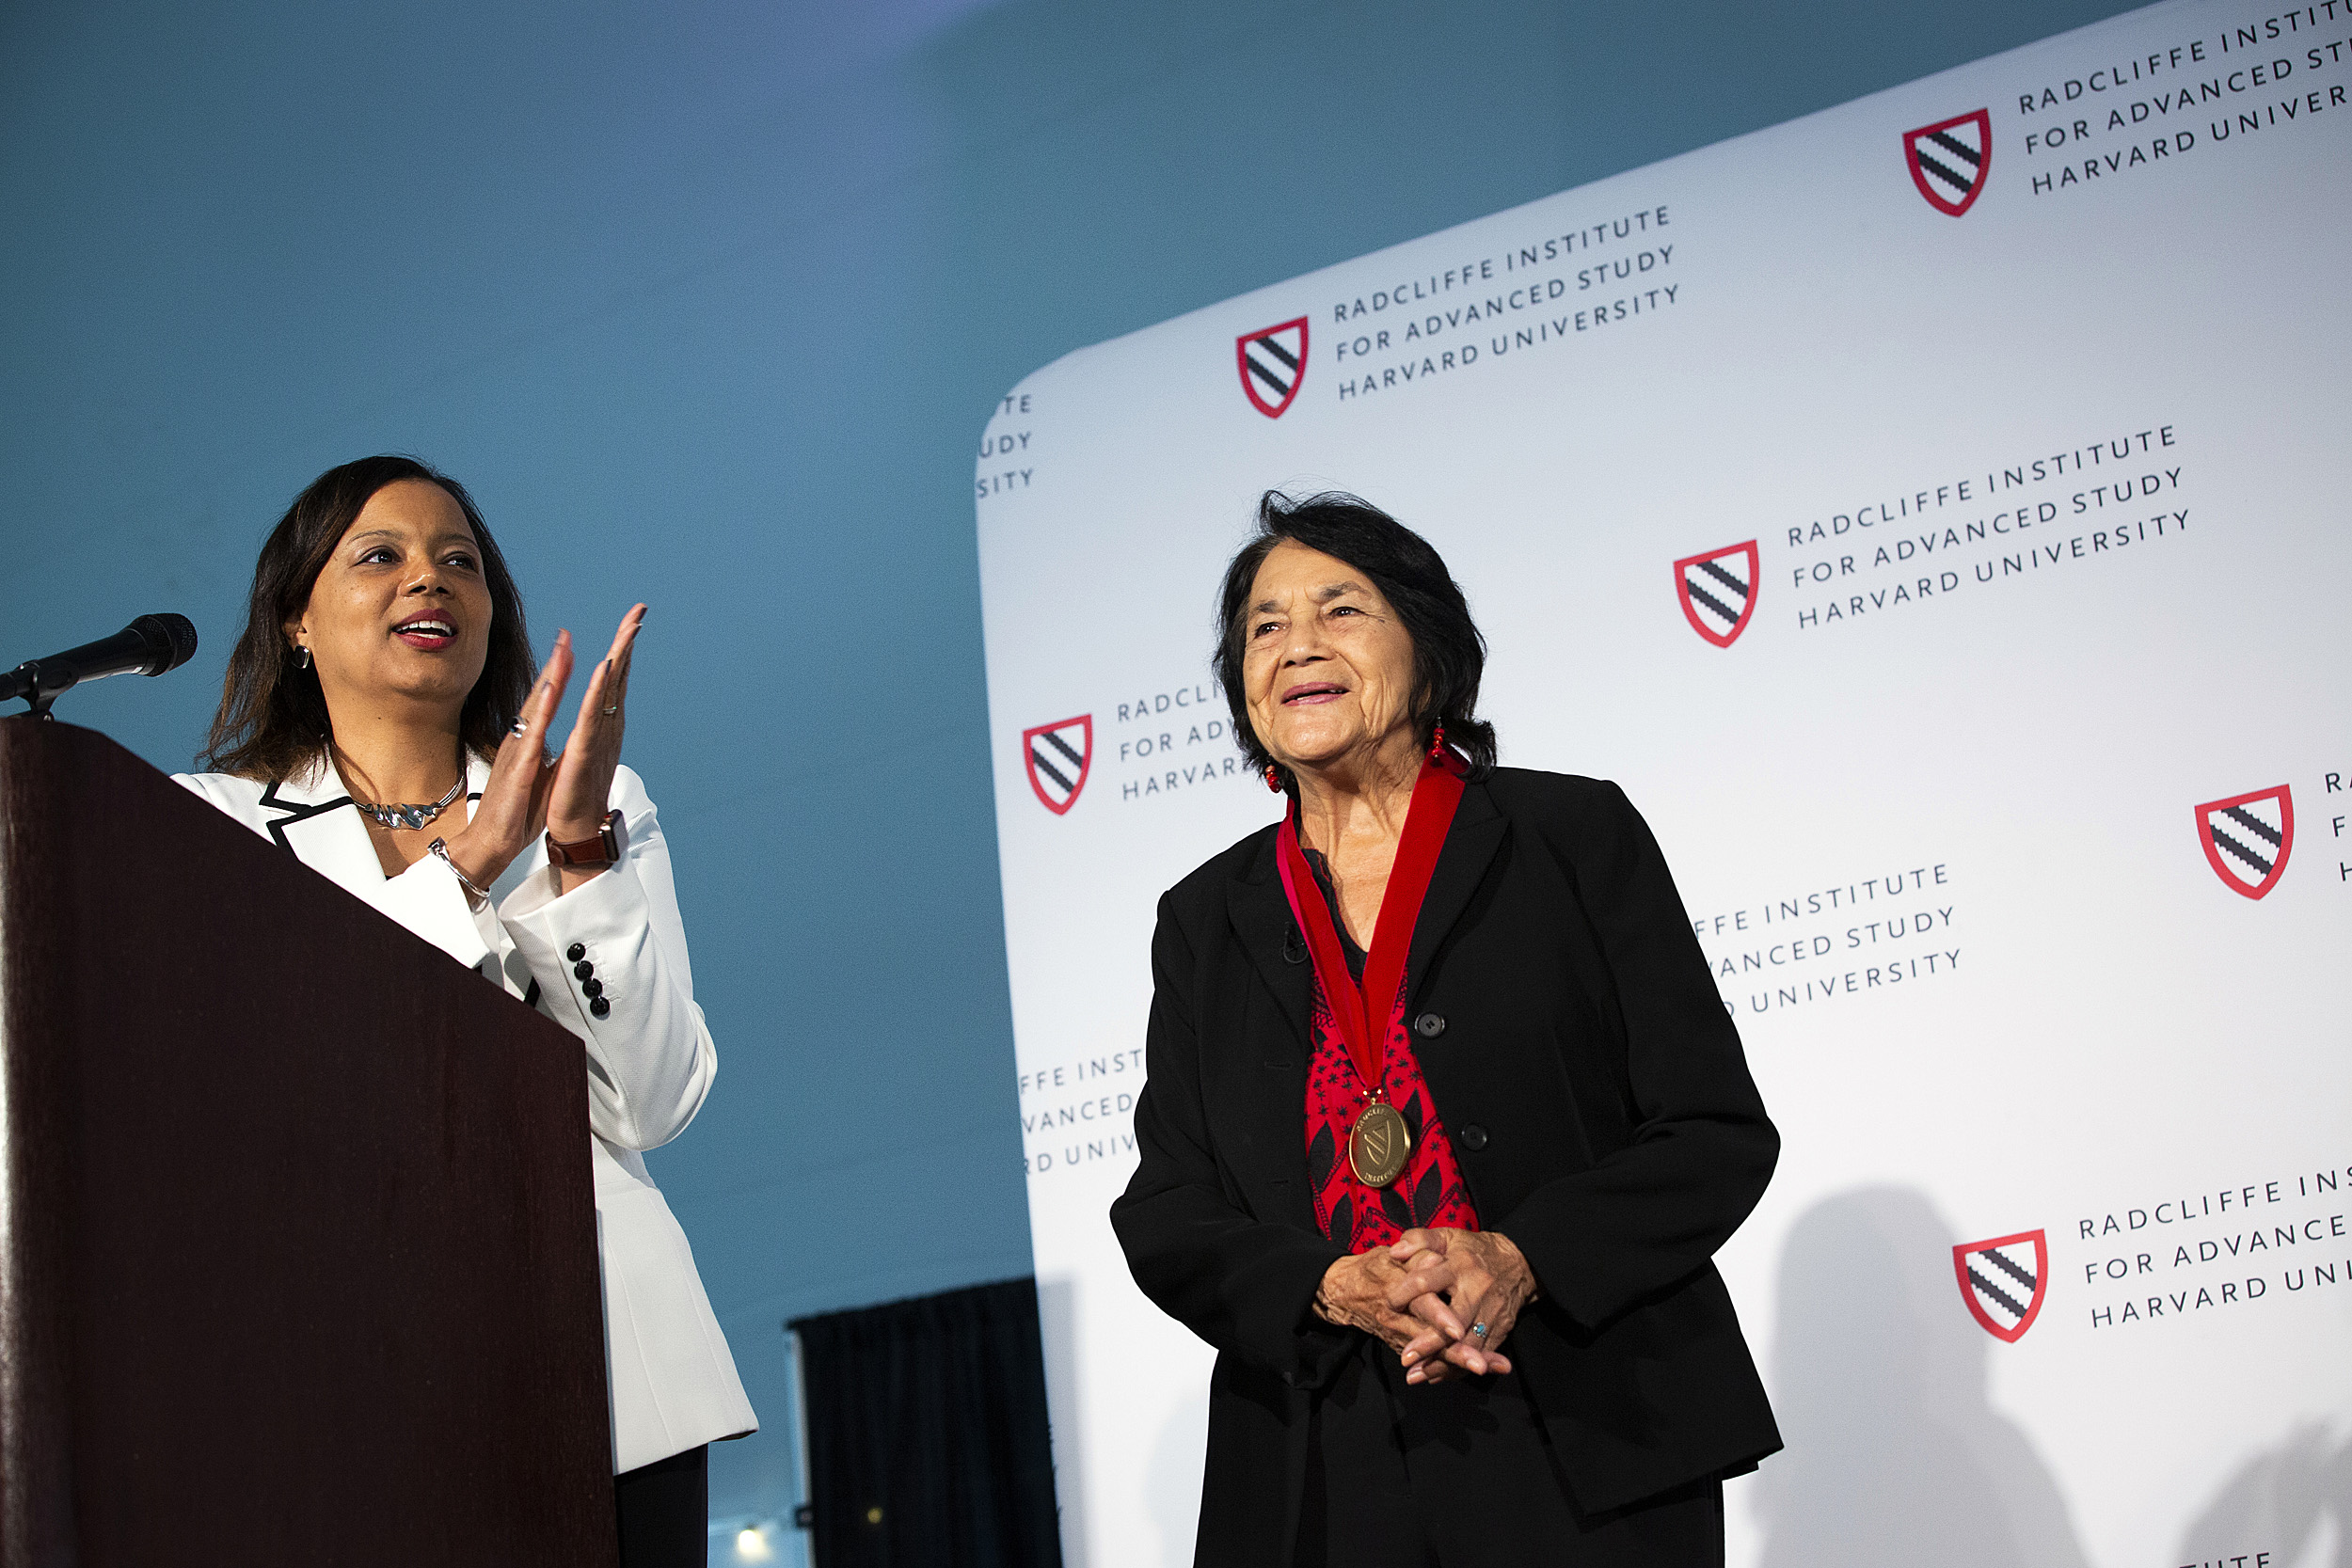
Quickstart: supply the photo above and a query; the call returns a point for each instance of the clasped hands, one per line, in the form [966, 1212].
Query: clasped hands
[1423, 1295]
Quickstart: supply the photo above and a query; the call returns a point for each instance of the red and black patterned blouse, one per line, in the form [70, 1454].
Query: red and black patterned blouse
[1430, 1190]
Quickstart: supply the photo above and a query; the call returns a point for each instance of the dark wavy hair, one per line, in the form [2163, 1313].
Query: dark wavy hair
[1448, 652]
[273, 721]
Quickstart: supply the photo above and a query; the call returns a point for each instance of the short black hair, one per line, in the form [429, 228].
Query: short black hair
[1448, 652]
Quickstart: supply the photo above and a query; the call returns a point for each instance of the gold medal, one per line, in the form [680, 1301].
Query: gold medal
[1378, 1145]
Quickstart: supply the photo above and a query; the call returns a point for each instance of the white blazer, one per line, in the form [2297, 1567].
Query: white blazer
[649, 1062]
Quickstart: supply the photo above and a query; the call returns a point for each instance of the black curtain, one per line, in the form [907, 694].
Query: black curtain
[926, 1432]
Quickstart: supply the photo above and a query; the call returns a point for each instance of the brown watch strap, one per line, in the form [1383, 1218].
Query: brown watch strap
[599, 849]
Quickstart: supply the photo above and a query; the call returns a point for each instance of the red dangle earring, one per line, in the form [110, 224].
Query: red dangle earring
[1274, 778]
[1437, 745]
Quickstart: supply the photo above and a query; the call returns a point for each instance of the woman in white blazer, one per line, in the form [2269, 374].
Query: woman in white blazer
[381, 721]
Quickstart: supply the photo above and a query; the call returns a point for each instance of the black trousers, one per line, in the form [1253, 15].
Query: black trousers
[1460, 1475]
[664, 1510]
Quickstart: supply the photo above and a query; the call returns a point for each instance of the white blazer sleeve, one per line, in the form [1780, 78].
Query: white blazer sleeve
[428, 900]
[650, 1058]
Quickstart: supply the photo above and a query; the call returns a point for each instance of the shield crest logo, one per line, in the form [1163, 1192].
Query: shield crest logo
[2003, 1282]
[2248, 838]
[1717, 592]
[1273, 362]
[1057, 756]
[1949, 160]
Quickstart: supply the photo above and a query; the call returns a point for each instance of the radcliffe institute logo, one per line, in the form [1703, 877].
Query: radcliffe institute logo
[2003, 1281]
[1717, 592]
[1949, 160]
[1057, 756]
[2248, 838]
[1273, 362]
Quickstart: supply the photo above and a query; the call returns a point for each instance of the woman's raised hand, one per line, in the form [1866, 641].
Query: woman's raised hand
[513, 810]
[530, 793]
[582, 788]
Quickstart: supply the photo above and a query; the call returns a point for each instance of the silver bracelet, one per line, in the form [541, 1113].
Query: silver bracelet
[478, 893]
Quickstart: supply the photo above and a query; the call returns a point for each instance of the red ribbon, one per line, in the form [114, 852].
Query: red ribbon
[1436, 791]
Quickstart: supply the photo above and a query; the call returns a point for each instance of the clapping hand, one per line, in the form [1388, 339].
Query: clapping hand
[581, 791]
[565, 796]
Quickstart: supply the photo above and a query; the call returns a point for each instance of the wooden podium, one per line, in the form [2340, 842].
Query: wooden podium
[298, 1239]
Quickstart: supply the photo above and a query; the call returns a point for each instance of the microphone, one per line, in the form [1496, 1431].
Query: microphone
[148, 646]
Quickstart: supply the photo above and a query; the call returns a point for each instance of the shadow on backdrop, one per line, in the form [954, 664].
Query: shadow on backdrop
[2279, 1502]
[1056, 1318]
[1895, 1453]
[1179, 1459]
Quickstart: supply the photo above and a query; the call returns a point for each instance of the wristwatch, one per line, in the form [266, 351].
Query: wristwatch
[607, 844]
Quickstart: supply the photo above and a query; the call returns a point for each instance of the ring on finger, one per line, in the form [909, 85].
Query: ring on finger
[1478, 1329]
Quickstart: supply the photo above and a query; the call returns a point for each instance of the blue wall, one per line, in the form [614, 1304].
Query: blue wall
[707, 304]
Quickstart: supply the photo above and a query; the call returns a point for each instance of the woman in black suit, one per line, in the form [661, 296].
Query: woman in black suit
[1435, 1066]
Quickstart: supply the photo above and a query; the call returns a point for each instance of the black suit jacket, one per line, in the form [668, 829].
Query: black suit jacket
[1600, 1109]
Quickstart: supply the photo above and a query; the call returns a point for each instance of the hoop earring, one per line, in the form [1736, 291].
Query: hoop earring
[1274, 778]
[302, 658]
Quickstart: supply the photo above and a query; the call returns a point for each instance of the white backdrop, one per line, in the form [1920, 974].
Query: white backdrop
[2048, 502]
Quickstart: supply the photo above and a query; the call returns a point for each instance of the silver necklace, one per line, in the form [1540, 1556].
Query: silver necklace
[412, 817]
